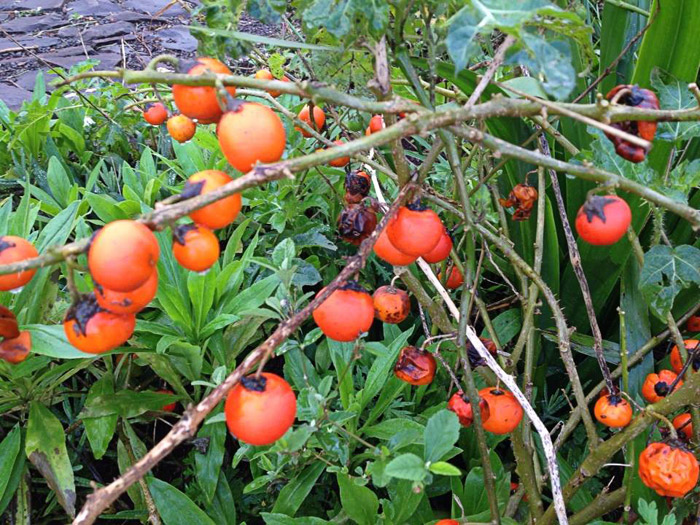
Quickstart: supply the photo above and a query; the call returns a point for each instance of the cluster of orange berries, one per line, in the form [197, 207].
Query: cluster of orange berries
[668, 468]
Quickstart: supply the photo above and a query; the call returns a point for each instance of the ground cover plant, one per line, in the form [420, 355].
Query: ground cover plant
[431, 262]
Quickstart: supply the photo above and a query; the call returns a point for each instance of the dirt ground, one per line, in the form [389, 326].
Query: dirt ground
[37, 35]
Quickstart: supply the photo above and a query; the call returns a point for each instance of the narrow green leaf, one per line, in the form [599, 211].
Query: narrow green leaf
[174, 506]
[296, 491]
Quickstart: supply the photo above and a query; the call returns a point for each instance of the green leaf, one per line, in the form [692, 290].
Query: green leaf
[407, 466]
[267, 11]
[100, 430]
[381, 369]
[126, 403]
[359, 503]
[387, 428]
[295, 492]
[506, 325]
[444, 469]
[208, 465]
[441, 433]
[9, 455]
[105, 207]
[281, 519]
[58, 181]
[175, 507]
[257, 39]
[46, 449]
[51, 340]
[347, 18]
[223, 509]
[674, 95]
[666, 272]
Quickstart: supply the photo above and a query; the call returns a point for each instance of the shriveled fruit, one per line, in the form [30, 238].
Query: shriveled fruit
[170, 407]
[346, 313]
[12, 250]
[474, 356]
[217, 214]
[264, 74]
[523, 197]
[339, 162]
[181, 128]
[356, 222]
[603, 221]
[415, 366]
[93, 330]
[200, 102]
[250, 133]
[155, 114]
[677, 361]
[442, 249]
[319, 119]
[386, 251]
[683, 423]
[9, 329]
[505, 413]
[195, 247]
[16, 349]
[391, 305]
[357, 184]
[669, 469]
[454, 280]
[415, 230]
[613, 411]
[636, 97]
[260, 411]
[657, 386]
[128, 302]
[460, 405]
[123, 255]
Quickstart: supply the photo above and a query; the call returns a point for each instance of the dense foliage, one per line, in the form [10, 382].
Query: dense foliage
[370, 445]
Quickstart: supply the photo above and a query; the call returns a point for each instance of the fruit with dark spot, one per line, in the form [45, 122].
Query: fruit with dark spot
[523, 197]
[9, 329]
[128, 302]
[505, 413]
[93, 330]
[613, 411]
[346, 313]
[357, 184]
[603, 221]
[260, 411]
[16, 349]
[683, 423]
[195, 247]
[415, 366]
[123, 255]
[356, 222]
[460, 405]
[631, 95]
[669, 469]
[217, 214]
[657, 386]
[391, 305]
[13, 250]
[475, 358]
[691, 345]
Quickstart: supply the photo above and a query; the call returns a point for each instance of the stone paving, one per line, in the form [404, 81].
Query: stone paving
[64, 32]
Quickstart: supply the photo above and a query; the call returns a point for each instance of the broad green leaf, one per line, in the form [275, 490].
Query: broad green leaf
[281, 519]
[444, 469]
[347, 18]
[46, 449]
[126, 403]
[100, 430]
[296, 491]
[407, 466]
[50, 340]
[105, 207]
[223, 509]
[441, 433]
[387, 428]
[174, 506]
[674, 95]
[506, 325]
[666, 272]
[359, 503]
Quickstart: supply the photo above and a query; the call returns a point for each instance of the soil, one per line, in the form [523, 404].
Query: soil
[37, 35]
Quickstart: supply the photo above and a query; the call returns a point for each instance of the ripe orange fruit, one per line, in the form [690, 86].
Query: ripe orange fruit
[260, 411]
[391, 305]
[386, 251]
[415, 230]
[319, 119]
[454, 280]
[251, 133]
[677, 360]
[181, 128]
[15, 249]
[656, 386]
[195, 247]
[340, 162]
[123, 255]
[128, 302]
[376, 123]
[441, 251]
[669, 469]
[17, 349]
[683, 424]
[217, 214]
[505, 413]
[199, 102]
[155, 114]
[346, 313]
[170, 407]
[265, 74]
[603, 221]
[693, 324]
[613, 411]
[93, 330]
